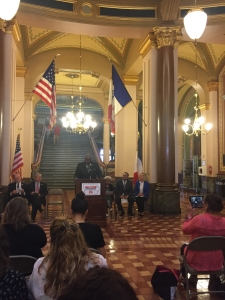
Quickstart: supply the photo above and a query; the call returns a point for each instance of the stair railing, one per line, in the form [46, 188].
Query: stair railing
[36, 165]
[96, 152]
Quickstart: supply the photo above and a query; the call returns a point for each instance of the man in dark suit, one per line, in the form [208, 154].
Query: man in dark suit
[17, 188]
[124, 190]
[88, 169]
[36, 192]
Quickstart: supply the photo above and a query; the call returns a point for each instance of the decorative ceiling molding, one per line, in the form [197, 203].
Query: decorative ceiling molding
[206, 58]
[169, 10]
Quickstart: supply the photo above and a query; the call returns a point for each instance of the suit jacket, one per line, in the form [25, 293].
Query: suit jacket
[120, 189]
[82, 171]
[31, 188]
[146, 189]
[12, 187]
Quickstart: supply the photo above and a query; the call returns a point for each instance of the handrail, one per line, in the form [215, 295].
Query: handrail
[35, 165]
[96, 151]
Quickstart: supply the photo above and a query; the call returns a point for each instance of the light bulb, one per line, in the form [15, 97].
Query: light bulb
[208, 126]
[195, 23]
[187, 121]
[185, 128]
[201, 120]
[8, 9]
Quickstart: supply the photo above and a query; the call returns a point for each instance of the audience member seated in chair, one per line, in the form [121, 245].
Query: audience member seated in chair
[17, 188]
[141, 190]
[68, 257]
[12, 284]
[100, 283]
[24, 238]
[124, 190]
[109, 188]
[210, 223]
[36, 192]
[92, 232]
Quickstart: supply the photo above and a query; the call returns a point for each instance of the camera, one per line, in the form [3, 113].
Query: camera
[196, 201]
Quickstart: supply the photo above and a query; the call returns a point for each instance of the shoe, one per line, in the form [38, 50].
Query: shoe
[121, 214]
[131, 214]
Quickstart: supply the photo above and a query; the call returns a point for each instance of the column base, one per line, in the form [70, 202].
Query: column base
[166, 199]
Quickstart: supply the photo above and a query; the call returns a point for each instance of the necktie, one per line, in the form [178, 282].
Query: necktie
[18, 185]
[37, 188]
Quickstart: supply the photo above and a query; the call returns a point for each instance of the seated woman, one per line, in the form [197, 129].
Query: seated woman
[141, 190]
[68, 258]
[25, 238]
[12, 284]
[109, 188]
[92, 232]
[210, 223]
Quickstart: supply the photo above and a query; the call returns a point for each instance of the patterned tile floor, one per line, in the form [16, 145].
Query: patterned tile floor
[136, 245]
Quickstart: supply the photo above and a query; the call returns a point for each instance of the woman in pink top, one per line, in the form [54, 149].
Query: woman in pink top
[210, 223]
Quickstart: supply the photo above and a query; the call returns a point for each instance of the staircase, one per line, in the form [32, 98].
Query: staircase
[59, 162]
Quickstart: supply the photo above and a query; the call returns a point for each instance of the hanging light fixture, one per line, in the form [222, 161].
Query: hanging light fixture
[8, 9]
[197, 126]
[195, 22]
[79, 123]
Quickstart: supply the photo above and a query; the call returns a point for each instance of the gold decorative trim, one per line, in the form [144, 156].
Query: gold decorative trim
[125, 7]
[2, 25]
[202, 7]
[221, 120]
[16, 32]
[204, 106]
[91, 9]
[168, 36]
[148, 43]
[21, 71]
[213, 86]
[67, 1]
[130, 79]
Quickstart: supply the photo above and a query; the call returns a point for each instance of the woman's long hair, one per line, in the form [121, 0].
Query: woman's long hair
[67, 257]
[4, 251]
[17, 213]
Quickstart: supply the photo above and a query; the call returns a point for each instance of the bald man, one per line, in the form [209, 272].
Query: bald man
[88, 169]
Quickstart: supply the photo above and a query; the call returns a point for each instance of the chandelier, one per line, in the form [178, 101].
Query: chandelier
[195, 22]
[9, 9]
[197, 126]
[79, 123]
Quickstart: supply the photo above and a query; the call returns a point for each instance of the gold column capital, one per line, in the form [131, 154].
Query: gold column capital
[213, 86]
[21, 71]
[130, 79]
[204, 106]
[2, 25]
[168, 36]
[148, 43]
[105, 120]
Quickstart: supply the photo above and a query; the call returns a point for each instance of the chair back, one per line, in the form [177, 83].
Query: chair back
[206, 243]
[22, 263]
[55, 192]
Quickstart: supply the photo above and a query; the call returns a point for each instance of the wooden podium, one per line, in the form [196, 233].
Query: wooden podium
[94, 190]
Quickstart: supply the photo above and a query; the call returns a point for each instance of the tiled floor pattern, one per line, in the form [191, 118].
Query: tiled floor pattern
[136, 245]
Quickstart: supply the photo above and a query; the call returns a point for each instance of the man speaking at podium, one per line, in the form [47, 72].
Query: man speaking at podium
[87, 169]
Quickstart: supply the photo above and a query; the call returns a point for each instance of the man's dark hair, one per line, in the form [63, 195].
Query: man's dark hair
[79, 205]
[100, 283]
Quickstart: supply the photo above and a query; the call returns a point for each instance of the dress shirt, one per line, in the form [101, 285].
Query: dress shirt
[141, 187]
[37, 187]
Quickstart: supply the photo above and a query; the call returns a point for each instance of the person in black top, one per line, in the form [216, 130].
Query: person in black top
[12, 284]
[24, 238]
[88, 169]
[92, 232]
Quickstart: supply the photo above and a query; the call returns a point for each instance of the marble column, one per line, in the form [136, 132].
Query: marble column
[166, 195]
[106, 141]
[7, 94]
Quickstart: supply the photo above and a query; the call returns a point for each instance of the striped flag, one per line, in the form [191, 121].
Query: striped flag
[18, 159]
[46, 90]
[138, 168]
[111, 108]
[121, 95]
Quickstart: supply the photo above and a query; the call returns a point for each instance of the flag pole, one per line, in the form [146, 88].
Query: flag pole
[139, 113]
[31, 94]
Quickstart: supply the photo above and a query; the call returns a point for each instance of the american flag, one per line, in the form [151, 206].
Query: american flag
[18, 159]
[46, 90]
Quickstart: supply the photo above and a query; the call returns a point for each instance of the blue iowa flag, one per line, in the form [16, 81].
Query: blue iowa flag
[121, 95]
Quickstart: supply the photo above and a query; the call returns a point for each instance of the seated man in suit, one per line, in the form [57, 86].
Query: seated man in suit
[17, 188]
[36, 192]
[124, 190]
[88, 169]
